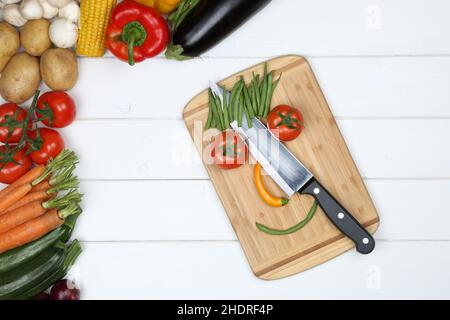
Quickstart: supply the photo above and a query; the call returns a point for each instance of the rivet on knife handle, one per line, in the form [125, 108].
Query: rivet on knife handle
[340, 217]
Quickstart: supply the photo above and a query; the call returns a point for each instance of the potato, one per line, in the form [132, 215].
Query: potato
[9, 43]
[20, 79]
[35, 38]
[59, 69]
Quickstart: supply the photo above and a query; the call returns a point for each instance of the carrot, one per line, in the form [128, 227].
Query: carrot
[30, 197]
[65, 160]
[13, 196]
[70, 183]
[27, 178]
[36, 228]
[16, 217]
[30, 231]
[44, 185]
[21, 215]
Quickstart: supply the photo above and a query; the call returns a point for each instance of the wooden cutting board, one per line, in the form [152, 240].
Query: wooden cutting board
[321, 148]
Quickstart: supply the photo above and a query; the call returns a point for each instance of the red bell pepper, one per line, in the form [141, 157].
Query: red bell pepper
[136, 32]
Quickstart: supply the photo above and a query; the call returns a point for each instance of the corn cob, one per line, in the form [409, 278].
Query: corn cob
[94, 19]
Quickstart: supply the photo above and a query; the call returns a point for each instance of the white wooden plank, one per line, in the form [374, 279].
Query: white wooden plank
[156, 88]
[191, 210]
[351, 27]
[358, 87]
[152, 210]
[163, 149]
[218, 270]
[344, 28]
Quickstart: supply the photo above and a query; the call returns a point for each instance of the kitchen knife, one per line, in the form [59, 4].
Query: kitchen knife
[292, 176]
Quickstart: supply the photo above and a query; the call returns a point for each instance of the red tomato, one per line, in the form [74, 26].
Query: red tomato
[229, 151]
[15, 169]
[56, 109]
[285, 122]
[11, 117]
[51, 145]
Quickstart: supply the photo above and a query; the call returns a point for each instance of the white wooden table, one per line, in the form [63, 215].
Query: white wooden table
[153, 226]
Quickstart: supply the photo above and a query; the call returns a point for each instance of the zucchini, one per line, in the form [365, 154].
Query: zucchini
[28, 275]
[71, 255]
[16, 257]
[39, 274]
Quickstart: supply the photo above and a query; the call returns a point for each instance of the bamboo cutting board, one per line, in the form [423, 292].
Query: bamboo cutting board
[321, 148]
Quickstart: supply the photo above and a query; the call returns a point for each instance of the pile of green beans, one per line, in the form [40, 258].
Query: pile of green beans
[253, 100]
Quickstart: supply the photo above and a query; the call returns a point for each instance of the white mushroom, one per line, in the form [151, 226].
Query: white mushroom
[10, 1]
[71, 12]
[31, 9]
[63, 33]
[49, 11]
[59, 3]
[12, 15]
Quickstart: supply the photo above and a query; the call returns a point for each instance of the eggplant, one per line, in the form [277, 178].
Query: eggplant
[208, 23]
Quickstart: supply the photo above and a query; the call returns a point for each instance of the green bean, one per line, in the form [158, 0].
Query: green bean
[275, 85]
[247, 102]
[297, 227]
[272, 91]
[268, 100]
[237, 97]
[210, 116]
[256, 92]
[213, 123]
[250, 96]
[212, 106]
[254, 96]
[226, 116]
[235, 92]
[258, 77]
[219, 107]
[240, 111]
[248, 115]
[264, 91]
[217, 113]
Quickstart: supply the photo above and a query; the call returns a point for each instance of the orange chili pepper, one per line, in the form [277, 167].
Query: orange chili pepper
[265, 195]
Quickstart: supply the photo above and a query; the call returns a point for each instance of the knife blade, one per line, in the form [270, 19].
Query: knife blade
[292, 176]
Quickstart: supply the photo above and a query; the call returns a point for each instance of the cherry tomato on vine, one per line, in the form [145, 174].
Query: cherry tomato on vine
[12, 118]
[13, 164]
[50, 144]
[229, 151]
[285, 122]
[56, 109]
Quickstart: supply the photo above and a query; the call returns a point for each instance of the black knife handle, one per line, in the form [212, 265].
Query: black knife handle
[341, 218]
